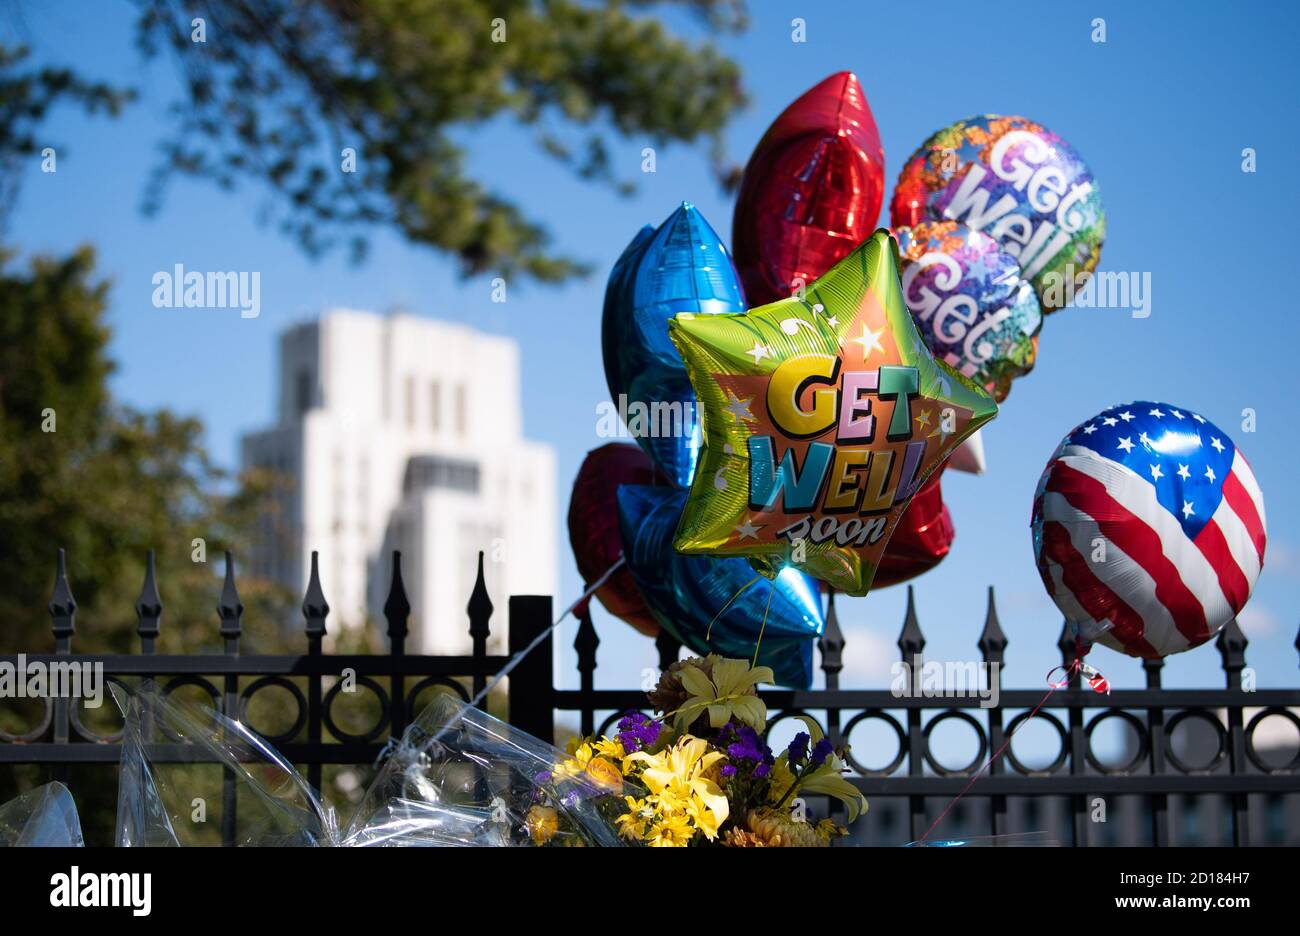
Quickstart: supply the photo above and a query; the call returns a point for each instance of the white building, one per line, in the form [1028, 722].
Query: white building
[399, 432]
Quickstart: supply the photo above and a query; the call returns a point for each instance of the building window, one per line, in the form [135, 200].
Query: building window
[460, 409]
[410, 402]
[435, 405]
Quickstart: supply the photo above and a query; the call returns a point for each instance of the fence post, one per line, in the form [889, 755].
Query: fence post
[910, 644]
[397, 608]
[480, 616]
[531, 692]
[1068, 644]
[1232, 647]
[63, 612]
[314, 611]
[992, 646]
[230, 610]
[585, 644]
[1156, 740]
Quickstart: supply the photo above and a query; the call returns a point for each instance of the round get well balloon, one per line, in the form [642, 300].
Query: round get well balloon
[594, 530]
[1148, 529]
[682, 266]
[811, 192]
[823, 415]
[1017, 182]
[973, 309]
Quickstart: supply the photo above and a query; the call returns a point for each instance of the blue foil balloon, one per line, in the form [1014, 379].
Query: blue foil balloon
[681, 266]
[686, 593]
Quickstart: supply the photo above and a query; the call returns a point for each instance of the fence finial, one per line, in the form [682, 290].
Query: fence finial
[396, 607]
[1232, 647]
[992, 641]
[148, 607]
[911, 642]
[586, 641]
[314, 606]
[62, 607]
[831, 644]
[1067, 643]
[480, 605]
[230, 609]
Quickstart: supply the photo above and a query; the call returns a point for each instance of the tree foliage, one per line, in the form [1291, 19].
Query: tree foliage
[279, 89]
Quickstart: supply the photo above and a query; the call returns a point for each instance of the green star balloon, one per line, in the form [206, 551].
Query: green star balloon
[822, 416]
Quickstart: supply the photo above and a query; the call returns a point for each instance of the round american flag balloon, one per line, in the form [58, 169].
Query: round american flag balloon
[1148, 529]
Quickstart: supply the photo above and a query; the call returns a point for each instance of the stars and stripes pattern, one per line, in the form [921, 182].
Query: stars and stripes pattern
[1149, 529]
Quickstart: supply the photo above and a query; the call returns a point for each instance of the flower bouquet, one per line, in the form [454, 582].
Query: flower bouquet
[701, 773]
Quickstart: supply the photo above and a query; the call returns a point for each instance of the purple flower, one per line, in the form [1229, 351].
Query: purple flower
[542, 776]
[798, 749]
[761, 770]
[636, 732]
[728, 770]
[820, 752]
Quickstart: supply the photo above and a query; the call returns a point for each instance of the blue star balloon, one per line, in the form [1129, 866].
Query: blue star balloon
[687, 593]
[682, 266]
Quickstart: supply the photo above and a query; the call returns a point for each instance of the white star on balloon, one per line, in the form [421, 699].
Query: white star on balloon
[749, 529]
[870, 341]
[1156, 473]
[1183, 472]
[1209, 474]
[1218, 446]
[1126, 444]
[1126, 416]
[759, 351]
[739, 408]
[1187, 508]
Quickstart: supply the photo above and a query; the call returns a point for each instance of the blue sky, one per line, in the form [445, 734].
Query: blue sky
[1161, 112]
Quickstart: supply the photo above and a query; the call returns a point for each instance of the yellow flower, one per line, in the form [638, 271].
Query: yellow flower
[605, 774]
[827, 780]
[726, 692]
[542, 823]
[680, 796]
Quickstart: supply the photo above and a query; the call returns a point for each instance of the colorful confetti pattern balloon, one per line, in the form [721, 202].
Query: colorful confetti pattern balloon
[1019, 183]
[973, 309]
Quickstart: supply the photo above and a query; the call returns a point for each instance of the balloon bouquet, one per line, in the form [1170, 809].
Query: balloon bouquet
[816, 387]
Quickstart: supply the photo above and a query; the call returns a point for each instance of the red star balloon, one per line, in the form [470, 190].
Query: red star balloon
[811, 192]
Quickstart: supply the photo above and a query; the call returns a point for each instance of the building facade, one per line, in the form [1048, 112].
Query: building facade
[399, 432]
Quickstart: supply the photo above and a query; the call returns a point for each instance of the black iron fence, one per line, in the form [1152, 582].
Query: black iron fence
[1151, 797]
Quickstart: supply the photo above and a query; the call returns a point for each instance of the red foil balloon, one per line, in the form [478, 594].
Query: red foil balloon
[811, 192]
[593, 527]
[923, 537]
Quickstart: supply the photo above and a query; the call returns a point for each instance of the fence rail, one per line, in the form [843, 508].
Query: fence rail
[1156, 772]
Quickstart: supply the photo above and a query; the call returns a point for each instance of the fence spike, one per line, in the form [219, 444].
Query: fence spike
[992, 640]
[62, 606]
[911, 642]
[480, 605]
[314, 606]
[396, 607]
[148, 607]
[587, 640]
[669, 647]
[831, 644]
[1297, 640]
[1232, 647]
[230, 609]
